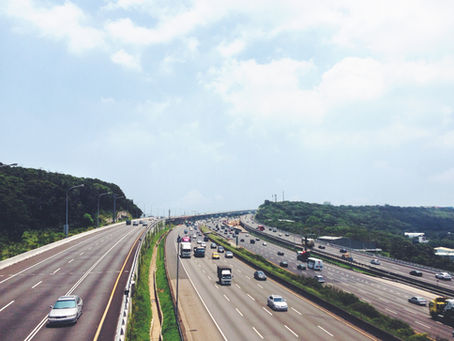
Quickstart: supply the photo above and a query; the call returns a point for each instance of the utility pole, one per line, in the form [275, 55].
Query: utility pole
[282, 195]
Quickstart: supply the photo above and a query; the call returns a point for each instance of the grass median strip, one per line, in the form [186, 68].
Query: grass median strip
[345, 301]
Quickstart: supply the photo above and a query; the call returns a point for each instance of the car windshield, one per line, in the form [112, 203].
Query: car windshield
[278, 299]
[65, 304]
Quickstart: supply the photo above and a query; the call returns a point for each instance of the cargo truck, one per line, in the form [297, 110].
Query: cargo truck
[224, 274]
[185, 250]
[315, 263]
[442, 307]
[303, 255]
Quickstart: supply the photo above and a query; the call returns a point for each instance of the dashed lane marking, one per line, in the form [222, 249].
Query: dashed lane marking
[33, 287]
[327, 332]
[291, 331]
[260, 335]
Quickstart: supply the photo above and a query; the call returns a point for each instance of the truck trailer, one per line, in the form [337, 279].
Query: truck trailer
[224, 274]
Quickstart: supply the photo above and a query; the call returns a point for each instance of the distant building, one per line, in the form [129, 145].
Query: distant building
[417, 237]
[444, 252]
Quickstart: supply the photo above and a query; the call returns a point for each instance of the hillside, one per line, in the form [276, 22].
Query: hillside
[382, 225]
[34, 200]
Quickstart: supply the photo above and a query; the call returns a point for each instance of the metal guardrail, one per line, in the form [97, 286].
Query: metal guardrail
[129, 288]
[378, 272]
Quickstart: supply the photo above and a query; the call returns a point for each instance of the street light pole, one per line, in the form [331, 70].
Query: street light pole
[99, 197]
[67, 199]
[115, 197]
[178, 263]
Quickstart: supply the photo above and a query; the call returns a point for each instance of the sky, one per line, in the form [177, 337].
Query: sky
[207, 106]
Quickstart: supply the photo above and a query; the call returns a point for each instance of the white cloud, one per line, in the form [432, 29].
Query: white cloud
[445, 177]
[126, 60]
[107, 100]
[232, 48]
[65, 22]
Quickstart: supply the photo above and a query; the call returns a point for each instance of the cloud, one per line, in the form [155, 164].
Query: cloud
[445, 177]
[65, 22]
[126, 60]
[232, 48]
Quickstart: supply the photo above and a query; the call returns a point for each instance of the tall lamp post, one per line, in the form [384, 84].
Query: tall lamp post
[99, 197]
[10, 165]
[115, 197]
[67, 198]
[178, 263]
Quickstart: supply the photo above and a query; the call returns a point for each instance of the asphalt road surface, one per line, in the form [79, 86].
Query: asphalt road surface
[88, 267]
[241, 312]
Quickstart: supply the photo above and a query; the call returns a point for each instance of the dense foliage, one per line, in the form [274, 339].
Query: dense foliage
[382, 225]
[34, 200]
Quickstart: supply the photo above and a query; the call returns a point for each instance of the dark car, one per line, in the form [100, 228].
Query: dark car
[321, 247]
[343, 250]
[301, 267]
[260, 275]
[416, 273]
[205, 239]
[280, 253]
[241, 240]
[284, 264]
[252, 241]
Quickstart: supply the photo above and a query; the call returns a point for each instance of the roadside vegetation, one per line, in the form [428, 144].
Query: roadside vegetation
[169, 326]
[345, 301]
[380, 226]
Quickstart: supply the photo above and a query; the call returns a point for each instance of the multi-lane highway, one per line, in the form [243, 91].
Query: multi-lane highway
[240, 312]
[389, 297]
[91, 267]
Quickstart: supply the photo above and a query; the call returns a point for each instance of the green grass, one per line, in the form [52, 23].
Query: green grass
[345, 301]
[169, 326]
[140, 319]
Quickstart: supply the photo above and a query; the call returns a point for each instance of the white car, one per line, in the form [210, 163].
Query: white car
[67, 309]
[264, 243]
[375, 261]
[443, 275]
[204, 244]
[228, 254]
[319, 278]
[276, 302]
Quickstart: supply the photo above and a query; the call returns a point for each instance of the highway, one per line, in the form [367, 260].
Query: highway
[88, 267]
[240, 310]
[389, 297]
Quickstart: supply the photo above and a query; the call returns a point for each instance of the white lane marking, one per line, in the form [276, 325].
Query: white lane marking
[327, 332]
[81, 253]
[209, 278]
[391, 311]
[71, 261]
[248, 277]
[217, 287]
[239, 312]
[252, 298]
[33, 287]
[269, 312]
[422, 324]
[291, 331]
[296, 311]
[53, 273]
[259, 286]
[6, 306]
[260, 335]
[228, 299]
[238, 286]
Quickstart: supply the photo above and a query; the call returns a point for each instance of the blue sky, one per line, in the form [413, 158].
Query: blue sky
[201, 106]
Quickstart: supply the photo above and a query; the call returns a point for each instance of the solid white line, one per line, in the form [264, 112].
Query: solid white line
[291, 331]
[70, 260]
[6, 306]
[228, 299]
[53, 273]
[33, 287]
[252, 298]
[422, 324]
[327, 332]
[260, 335]
[296, 311]
[271, 314]
[201, 299]
[239, 312]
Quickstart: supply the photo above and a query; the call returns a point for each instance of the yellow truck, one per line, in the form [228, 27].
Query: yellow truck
[442, 307]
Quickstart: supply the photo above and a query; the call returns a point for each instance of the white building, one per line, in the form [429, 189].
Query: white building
[419, 237]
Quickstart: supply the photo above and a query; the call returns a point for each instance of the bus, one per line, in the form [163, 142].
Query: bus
[314, 263]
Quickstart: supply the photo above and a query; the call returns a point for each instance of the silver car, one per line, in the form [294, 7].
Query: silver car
[67, 309]
[276, 302]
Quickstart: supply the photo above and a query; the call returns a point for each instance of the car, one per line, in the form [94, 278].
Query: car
[274, 230]
[277, 302]
[417, 300]
[199, 241]
[241, 240]
[287, 235]
[280, 253]
[416, 273]
[343, 250]
[67, 309]
[252, 241]
[322, 247]
[264, 244]
[204, 244]
[247, 235]
[185, 231]
[375, 261]
[443, 275]
[228, 254]
[205, 239]
[215, 255]
[284, 264]
[257, 239]
[280, 234]
[135, 223]
[213, 246]
[319, 278]
[301, 267]
[260, 275]
[221, 249]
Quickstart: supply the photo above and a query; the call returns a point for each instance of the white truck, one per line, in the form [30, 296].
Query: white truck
[315, 263]
[225, 275]
[185, 250]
